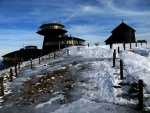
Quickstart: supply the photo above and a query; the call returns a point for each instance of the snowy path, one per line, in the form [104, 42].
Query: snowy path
[93, 80]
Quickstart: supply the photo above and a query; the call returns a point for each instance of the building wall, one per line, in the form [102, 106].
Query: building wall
[122, 36]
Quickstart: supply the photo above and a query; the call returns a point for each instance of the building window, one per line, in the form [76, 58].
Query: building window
[47, 43]
[9, 59]
[70, 41]
[63, 42]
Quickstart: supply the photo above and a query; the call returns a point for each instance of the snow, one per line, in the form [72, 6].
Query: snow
[83, 81]
[50, 101]
[87, 106]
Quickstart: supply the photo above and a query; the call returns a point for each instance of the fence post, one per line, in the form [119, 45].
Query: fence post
[54, 54]
[16, 70]
[39, 60]
[141, 95]
[2, 87]
[121, 69]
[130, 45]
[115, 53]
[118, 50]
[31, 63]
[59, 45]
[114, 63]
[11, 74]
[67, 52]
[19, 65]
[111, 45]
[124, 45]
[136, 44]
[78, 48]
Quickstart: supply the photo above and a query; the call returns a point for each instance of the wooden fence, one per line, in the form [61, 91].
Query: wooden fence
[140, 82]
[10, 72]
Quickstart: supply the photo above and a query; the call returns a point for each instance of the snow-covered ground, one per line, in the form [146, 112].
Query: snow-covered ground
[82, 82]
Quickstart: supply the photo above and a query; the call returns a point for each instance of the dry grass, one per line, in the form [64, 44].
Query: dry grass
[37, 87]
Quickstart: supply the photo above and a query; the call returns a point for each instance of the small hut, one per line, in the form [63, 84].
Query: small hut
[122, 34]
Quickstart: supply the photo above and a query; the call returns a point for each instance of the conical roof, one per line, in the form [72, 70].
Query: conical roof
[122, 27]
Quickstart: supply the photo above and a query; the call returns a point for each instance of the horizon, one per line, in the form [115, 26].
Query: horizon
[91, 20]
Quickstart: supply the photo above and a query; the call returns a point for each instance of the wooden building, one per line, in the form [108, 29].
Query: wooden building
[122, 34]
[55, 37]
[23, 54]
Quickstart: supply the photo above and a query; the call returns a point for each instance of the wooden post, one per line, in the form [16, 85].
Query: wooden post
[59, 45]
[111, 45]
[31, 63]
[67, 52]
[141, 95]
[11, 74]
[124, 45]
[118, 50]
[136, 44]
[4, 66]
[16, 70]
[78, 48]
[141, 43]
[2, 87]
[114, 60]
[130, 45]
[19, 65]
[115, 53]
[39, 60]
[121, 69]
[54, 54]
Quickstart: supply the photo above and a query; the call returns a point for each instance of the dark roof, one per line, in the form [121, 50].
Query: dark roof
[141, 41]
[109, 39]
[31, 46]
[122, 26]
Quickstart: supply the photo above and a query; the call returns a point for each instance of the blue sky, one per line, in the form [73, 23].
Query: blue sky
[92, 20]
